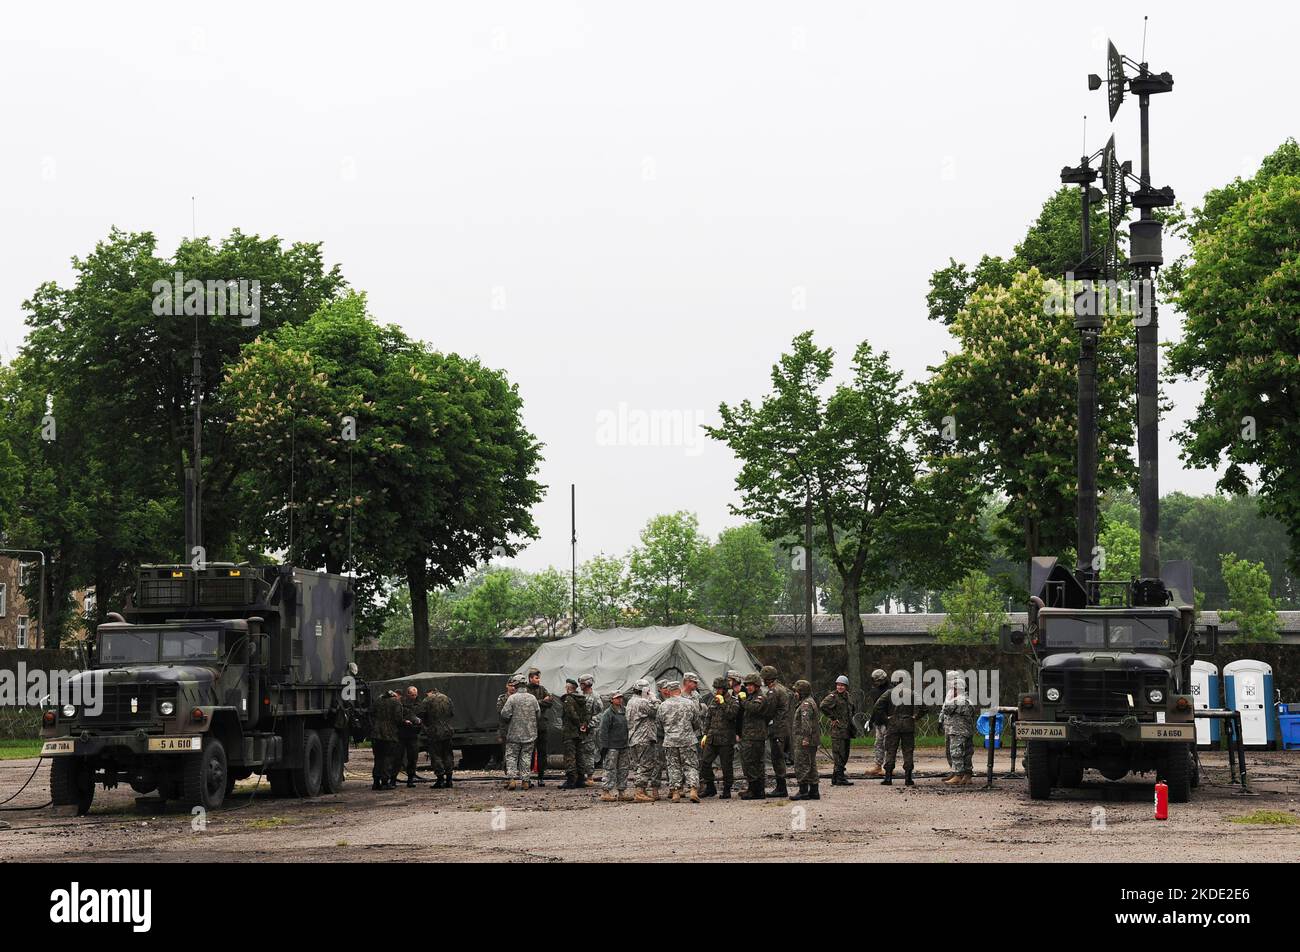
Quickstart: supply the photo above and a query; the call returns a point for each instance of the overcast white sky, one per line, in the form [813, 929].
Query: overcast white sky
[617, 204]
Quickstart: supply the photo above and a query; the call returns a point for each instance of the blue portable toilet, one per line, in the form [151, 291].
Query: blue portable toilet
[1248, 686]
[1205, 695]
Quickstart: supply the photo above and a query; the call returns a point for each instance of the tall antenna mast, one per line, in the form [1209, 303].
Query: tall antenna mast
[194, 471]
[573, 558]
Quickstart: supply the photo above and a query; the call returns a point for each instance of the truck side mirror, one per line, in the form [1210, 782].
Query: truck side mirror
[1011, 641]
[1207, 642]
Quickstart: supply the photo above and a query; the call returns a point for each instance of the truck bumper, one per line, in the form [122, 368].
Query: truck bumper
[1129, 730]
[132, 743]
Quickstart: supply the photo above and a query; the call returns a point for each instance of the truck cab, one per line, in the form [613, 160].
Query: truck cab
[1113, 684]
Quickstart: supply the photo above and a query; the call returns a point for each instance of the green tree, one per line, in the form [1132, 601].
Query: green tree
[854, 452]
[666, 569]
[604, 592]
[490, 609]
[741, 584]
[545, 597]
[975, 612]
[1249, 604]
[1005, 405]
[1241, 336]
[1121, 542]
[106, 493]
[438, 478]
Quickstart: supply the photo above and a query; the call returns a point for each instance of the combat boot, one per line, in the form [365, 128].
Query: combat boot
[844, 780]
[755, 792]
[589, 782]
[694, 795]
[907, 779]
[709, 790]
[780, 790]
[528, 785]
[642, 797]
[609, 796]
[654, 794]
[889, 778]
[446, 782]
[726, 792]
[813, 793]
[875, 770]
[802, 794]
[963, 780]
[376, 786]
[624, 795]
[677, 795]
[510, 784]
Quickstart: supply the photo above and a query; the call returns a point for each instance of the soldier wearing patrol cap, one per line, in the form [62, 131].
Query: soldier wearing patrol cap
[879, 681]
[590, 749]
[544, 702]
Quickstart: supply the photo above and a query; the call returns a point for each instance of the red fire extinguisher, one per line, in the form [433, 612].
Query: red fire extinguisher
[1162, 800]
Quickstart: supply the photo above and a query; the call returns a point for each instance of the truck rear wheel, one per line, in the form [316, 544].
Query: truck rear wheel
[335, 747]
[1178, 773]
[1040, 768]
[204, 777]
[71, 783]
[307, 776]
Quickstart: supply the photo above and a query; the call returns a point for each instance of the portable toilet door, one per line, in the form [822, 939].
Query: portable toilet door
[1205, 695]
[1249, 688]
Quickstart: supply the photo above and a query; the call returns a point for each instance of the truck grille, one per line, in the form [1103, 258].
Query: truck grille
[116, 704]
[1104, 692]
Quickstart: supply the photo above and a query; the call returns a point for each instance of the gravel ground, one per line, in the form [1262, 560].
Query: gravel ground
[478, 821]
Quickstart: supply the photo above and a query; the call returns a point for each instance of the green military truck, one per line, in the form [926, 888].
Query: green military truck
[212, 674]
[1113, 685]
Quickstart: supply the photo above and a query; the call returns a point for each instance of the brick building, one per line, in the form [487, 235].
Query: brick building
[18, 619]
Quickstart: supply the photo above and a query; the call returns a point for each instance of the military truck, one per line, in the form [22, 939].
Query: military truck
[212, 674]
[1113, 680]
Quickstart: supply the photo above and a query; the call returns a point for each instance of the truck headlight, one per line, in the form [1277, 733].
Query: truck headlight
[1053, 694]
[68, 710]
[1155, 695]
[166, 707]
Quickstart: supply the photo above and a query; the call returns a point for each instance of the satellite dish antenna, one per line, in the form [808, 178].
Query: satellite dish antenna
[1115, 79]
[1112, 180]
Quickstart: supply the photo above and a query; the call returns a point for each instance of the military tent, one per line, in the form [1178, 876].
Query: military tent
[618, 657]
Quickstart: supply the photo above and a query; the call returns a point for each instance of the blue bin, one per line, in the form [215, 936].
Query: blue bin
[982, 725]
[1288, 727]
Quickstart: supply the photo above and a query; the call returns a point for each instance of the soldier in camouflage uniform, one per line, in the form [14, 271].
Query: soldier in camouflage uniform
[612, 736]
[408, 734]
[898, 714]
[544, 702]
[384, 718]
[661, 764]
[958, 719]
[680, 718]
[595, 707]
[756, 709]
[501, 725]
[574, 721]
[436, 712]
[879, 681]
[521, 712]
[806, 736]
[641, 726]
[839, 710]
[778, 731]
[719, 741]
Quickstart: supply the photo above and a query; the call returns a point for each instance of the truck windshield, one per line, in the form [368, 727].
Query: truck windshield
[150, 645]
[1099, 632]
[128, 647]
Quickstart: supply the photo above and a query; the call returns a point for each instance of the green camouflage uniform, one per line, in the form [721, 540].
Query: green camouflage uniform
[384, 718]
[437, 712]
[839, 711]
[807, 740]
[900, 729]
[757, 709]
[958, 718]
[720, 737]
[575, 722]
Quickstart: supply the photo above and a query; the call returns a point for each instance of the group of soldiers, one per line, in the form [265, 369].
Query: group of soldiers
[673, 734]
[398, 725]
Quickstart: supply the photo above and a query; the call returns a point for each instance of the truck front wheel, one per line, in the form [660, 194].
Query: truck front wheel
[71, 783]
[1178, 773]
[1040, 768]
[204, 780]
